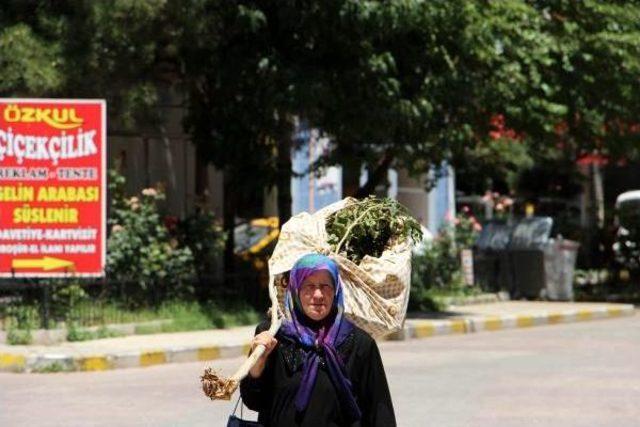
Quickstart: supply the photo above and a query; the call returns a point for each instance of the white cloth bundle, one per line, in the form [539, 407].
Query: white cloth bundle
[376, 292]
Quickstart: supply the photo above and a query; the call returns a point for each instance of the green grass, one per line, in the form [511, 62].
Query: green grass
[190, 315]
[148, 329]
[52, 367]
[186, 316]
[182, 316]
[436, 299]
[91, 314]
[78, 334]
[179, 316]
[194, 317]
[19, 337]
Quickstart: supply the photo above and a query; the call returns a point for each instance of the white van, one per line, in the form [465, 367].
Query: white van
[627, 247]
[627, 210]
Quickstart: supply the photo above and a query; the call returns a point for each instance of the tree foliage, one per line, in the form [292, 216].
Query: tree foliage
[405, 83]
[594, 74]
[120, 50]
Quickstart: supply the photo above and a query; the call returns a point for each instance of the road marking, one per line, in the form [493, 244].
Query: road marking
[12, 361]
[584, 315]
[424, 330]
[151, 358]
[94, 363]
[614, 311]
[493, 323]
[458, 326]
[524, 321]
[555, 318]
[208, 353]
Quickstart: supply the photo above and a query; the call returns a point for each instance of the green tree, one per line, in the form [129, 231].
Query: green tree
[238, 113]
[595, 76]
[118, 50]
[596, 63]
[405, 83]
[30, 61]
[414, 83]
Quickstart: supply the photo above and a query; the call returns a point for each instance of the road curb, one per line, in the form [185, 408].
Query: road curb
[427, 328]
[52, 362]
[413, 329]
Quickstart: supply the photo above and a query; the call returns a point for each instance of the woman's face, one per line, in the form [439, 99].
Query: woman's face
[316, 295]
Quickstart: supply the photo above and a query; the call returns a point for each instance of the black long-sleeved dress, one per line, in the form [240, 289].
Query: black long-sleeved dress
[272, 395]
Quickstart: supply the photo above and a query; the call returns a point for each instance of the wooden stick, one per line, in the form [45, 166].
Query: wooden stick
[216, 387]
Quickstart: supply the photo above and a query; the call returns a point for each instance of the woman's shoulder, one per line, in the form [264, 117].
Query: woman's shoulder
[361, 335]
[360, 339]
[265, 325]
[358, 336]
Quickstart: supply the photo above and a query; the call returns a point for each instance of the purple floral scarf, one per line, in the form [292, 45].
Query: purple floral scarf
[321, 340]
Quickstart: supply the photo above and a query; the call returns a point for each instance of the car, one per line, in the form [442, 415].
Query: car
[254, 241]
[256, 235]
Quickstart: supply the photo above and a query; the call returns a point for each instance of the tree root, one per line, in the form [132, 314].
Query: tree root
[217, 388]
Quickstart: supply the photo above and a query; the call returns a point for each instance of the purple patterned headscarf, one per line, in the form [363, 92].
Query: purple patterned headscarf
[319, 341]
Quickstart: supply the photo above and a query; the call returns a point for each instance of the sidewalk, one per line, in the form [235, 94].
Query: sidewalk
[148, 350]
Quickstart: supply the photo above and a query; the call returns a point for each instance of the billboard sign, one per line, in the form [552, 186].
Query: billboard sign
[52, 187]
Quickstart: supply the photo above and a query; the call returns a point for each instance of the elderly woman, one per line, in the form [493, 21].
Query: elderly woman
[320, 369]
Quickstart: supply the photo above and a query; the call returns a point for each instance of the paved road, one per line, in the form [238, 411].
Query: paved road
[585, 374]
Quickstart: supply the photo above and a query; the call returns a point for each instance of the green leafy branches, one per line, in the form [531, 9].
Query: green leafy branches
[370, 226]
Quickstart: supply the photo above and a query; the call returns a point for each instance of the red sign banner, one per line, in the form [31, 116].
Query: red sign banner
[52, 187]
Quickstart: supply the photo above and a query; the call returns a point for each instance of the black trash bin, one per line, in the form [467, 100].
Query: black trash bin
[526, 259]
[490, 259]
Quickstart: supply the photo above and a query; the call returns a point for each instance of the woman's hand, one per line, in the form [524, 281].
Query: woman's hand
[269, 342]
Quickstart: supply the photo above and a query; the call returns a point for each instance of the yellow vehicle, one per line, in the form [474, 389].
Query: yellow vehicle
[254, 242]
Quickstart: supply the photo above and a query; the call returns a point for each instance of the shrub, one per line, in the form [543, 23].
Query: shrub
[437, 269]
[51, 368]
[141, 252]
[74, 333]
[19, 337]
[21, 320]
[65, 299]
[205, 238]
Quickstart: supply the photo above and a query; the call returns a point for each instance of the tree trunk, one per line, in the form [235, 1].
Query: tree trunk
[598, 192]
[350, 171]
[202, 179]
[376, 176]
[284, 179]
[228, 218]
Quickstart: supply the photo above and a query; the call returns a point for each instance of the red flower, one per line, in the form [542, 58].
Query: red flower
[171, 222]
